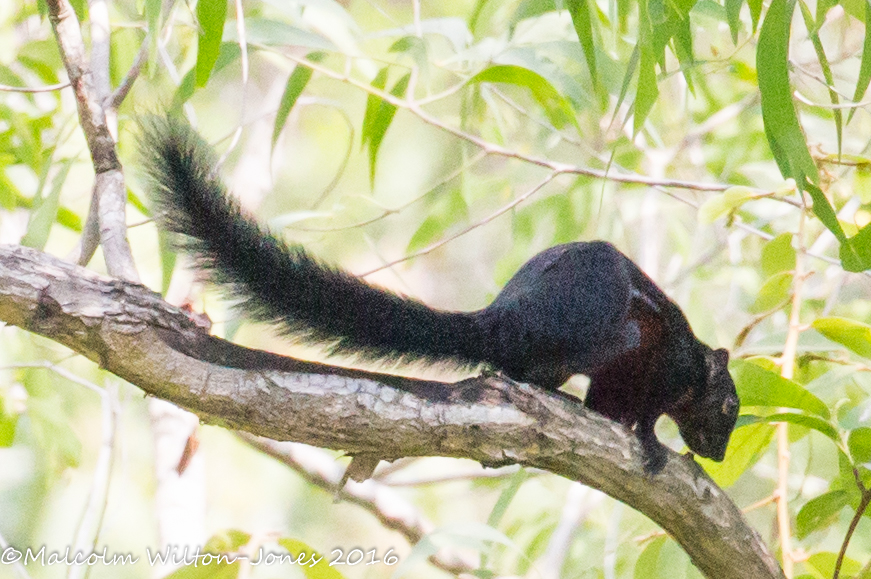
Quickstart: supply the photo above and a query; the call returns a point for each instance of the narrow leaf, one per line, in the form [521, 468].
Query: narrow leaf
[152, 17]
[760, 387]
[855, 252]
[733, 16]
[774, 292]
[321, 570]
[755, 12]
[379, 119]
[854, 335]
[822, 426]
[373, 104]
[824, 211]
[580, 12]
[778, 255]
[864, 68]
[859, 443]
[44, 214]
[229, 52]
[295, 85]
[647, 565]
[745, 447]
[554, 104]
[506, 496]
[648, 91]
[813, 32]
[782, 128]
[210, 15]
[820, 512]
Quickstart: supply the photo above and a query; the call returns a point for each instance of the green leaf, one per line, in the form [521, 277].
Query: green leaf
[581, 18]
[9, 193]
[773, 293]
[448, 210]
[219, 560]
[865, 68]
[379, 115]
[8, 421]
[782, 128]
[631, 66]
[760, 387]
[80, 7]
[295, 85]
[824, 564]
[813, 32]
[168, 257]
[321, 570]
[152, 17]
[230, 52]
[45, 211]
[862, 181]
[745, 447]
[373, 105]
[415, 48]
[778, 255]
[855, 252]
[647, 565]
[859, 443]
[823, 209]
[555, 106]
[211, 15]
[648, 91]
[733, 15]
[820, 512]
[506, 496]
[719, 206]
[854, 335]
[755, 12]
[822, 426]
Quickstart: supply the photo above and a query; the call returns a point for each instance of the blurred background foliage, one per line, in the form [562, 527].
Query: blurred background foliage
[435, 147]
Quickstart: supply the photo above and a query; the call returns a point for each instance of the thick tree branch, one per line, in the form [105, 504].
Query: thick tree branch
[131, 332]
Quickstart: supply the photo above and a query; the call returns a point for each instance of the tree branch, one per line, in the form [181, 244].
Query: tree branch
[110, 195]
[131, 332]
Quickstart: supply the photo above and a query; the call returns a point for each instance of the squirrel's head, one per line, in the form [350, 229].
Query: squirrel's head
[707, 416]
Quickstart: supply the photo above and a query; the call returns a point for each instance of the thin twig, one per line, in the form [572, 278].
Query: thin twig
[49, 88]
[487, 219]
[88, 530]
[787, 368]
[386, 212]
[492, 148]
[860, 511]
[321, 470]
[117, 97]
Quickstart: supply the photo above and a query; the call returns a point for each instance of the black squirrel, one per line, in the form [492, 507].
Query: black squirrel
[577, 308]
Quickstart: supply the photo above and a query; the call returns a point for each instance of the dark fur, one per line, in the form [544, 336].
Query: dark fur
[578, 308]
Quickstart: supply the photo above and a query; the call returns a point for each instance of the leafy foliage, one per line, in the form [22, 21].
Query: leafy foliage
[705, 138]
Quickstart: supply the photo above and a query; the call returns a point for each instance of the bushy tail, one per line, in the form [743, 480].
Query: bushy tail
[279, 283]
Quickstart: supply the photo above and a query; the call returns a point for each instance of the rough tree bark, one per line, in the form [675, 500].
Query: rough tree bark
[130, 331]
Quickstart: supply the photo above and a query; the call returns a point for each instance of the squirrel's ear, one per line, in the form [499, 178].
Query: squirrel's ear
[717, 361]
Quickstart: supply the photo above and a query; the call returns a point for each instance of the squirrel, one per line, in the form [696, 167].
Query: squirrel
[577, 308]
